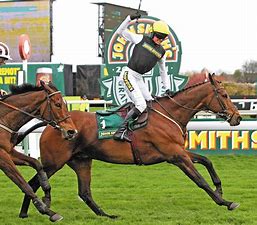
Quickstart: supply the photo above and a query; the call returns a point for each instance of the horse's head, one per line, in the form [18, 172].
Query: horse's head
[221, 104]
[55, 112]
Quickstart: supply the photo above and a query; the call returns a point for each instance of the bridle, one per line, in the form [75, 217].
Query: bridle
[51, 121]
[223, 114]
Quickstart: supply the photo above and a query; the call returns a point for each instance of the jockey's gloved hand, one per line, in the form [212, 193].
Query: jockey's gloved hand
[3, 92]
[135, 16]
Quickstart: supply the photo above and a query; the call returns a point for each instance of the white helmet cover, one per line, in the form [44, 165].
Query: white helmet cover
[4, 51]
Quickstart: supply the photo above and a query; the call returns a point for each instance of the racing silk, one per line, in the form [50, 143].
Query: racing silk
[146, 53]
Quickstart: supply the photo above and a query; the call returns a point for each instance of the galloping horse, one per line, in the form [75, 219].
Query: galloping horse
[24, 103]
[162, 140]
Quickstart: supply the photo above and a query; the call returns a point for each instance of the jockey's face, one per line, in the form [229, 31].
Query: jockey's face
[2, 61]
[157, 40]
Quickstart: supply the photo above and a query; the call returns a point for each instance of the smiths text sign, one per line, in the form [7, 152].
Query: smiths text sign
[117, 53]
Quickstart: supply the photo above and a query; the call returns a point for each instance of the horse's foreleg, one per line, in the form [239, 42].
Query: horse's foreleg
[82, 167]
[50, 167]
[21, 159]
[187, 166]
[8, 167]
[208, 164]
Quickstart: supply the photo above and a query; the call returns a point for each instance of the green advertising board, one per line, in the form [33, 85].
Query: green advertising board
[9, 73]
[117, 53]
[217, 137]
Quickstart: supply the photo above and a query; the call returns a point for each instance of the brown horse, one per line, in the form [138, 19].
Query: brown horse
[162, 140]
[24, 103]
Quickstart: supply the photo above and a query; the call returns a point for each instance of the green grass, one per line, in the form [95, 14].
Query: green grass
[151, 195]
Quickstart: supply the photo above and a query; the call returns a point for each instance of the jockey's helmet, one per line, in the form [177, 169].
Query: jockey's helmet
[4, 51]
[160, 29]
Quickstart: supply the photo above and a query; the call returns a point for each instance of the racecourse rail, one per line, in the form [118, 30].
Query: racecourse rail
[206, 133]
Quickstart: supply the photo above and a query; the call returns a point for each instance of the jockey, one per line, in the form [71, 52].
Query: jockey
[4, 53]
[146, 53]
[4, 56]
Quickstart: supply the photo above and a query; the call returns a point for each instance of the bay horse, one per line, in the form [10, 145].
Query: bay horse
[161, 140]
[24, 103]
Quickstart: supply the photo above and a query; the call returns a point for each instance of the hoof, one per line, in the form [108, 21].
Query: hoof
[112, 216]
[233, 206]
[23, 215]
[55, 218]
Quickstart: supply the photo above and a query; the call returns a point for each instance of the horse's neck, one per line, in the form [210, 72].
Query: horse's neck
[28, 102]
[188, 103]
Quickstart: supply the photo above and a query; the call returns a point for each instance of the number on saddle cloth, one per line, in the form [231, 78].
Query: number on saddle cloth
[110, 120]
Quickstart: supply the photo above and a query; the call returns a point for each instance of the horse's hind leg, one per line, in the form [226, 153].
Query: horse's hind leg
[21, 159]
[82, 167]
[186, 165]
[8, 167]
[208, 164]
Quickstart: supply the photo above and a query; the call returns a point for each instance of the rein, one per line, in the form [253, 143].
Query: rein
[222, 114]
[169, 117]
[50, 122]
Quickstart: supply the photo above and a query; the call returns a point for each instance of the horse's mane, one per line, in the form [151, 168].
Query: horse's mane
[196, 79]
[193, 81]
[23, 88]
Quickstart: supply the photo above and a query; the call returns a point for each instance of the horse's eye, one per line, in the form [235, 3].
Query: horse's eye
[225, 95]
[58, 105]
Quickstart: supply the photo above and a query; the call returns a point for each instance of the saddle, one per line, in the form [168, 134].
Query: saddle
[110, 120]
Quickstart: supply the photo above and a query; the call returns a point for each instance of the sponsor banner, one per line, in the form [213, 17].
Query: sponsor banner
[217, 137]
[9, 74]
[118, 52]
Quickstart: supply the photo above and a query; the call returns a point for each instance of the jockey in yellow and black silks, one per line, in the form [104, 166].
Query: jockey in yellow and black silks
[147, 52]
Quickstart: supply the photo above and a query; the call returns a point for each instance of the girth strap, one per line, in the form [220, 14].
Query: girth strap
[135, 151]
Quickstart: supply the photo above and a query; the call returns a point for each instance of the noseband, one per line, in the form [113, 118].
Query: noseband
[52, 121]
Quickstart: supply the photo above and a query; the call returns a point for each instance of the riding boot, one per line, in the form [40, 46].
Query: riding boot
[122, 133]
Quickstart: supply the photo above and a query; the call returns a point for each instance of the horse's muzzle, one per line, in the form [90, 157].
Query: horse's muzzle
[235, 120]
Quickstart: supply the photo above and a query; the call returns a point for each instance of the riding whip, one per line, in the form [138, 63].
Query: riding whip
[139, 6]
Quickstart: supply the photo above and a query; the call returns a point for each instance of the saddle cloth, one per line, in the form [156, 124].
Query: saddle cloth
[110, 120]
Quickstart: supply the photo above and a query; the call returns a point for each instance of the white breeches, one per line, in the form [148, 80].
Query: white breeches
[135, 87]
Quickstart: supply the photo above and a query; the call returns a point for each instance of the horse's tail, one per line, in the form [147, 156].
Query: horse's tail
[22, 135]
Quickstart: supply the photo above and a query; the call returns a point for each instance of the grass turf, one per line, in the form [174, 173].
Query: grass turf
[151, 195]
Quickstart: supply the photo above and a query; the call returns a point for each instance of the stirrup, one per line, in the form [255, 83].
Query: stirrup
[121, 136]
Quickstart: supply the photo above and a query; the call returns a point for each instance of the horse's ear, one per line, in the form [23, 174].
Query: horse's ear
[42, 83]
[45, 86]
[211, 78]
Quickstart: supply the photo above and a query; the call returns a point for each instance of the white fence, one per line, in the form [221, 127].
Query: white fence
[246, 107]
